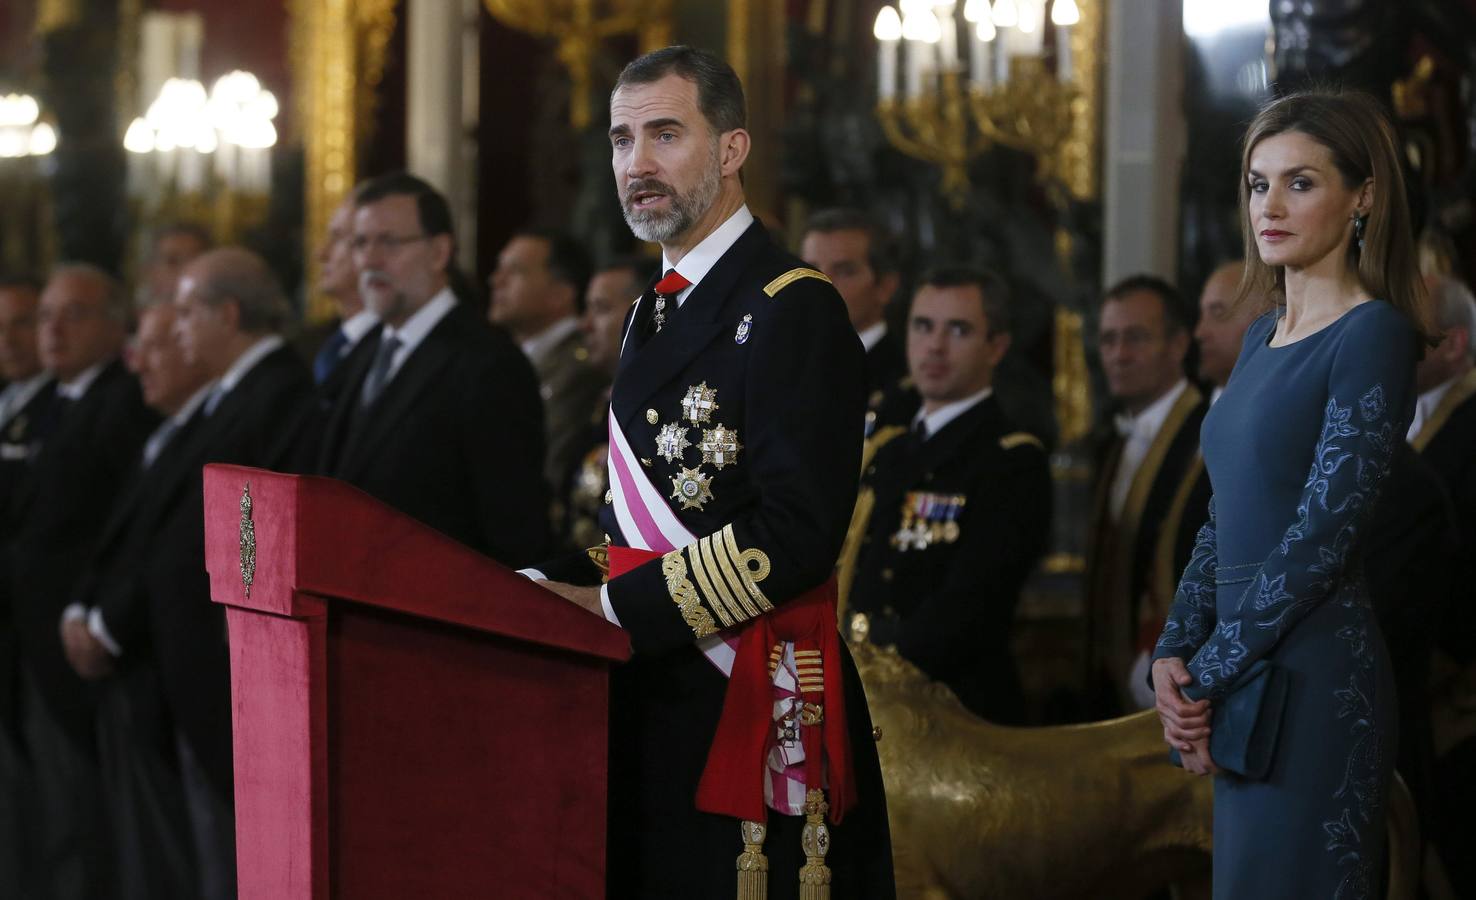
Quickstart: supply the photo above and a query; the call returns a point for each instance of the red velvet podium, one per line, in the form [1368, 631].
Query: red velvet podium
[410, 718]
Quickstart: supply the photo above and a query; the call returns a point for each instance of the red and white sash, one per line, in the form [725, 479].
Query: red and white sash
[649, 523]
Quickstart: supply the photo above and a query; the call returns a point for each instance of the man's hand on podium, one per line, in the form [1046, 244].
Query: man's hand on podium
[587, 597]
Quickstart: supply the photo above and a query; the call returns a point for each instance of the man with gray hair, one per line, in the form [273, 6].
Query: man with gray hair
[96, 428]
[229, 311]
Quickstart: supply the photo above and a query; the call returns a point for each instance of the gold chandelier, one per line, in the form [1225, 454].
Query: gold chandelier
[579, 26]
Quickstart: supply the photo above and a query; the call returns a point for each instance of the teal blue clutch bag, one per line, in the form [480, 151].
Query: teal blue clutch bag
[1245, 723]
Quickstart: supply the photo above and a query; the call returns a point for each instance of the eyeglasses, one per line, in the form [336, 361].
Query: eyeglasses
[71, 315]
[384, 243]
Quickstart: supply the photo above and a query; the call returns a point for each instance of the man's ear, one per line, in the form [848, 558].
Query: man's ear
[734, 151]
[443, 248]
[999, 345]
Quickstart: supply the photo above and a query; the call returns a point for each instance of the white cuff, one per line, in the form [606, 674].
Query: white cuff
[73, 612]
[534, 574]
[606, 607]
[99, 629]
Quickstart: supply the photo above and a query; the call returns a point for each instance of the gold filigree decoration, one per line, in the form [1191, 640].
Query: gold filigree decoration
[248, 541]
[719, 446]
[684, 595]
[815, 840]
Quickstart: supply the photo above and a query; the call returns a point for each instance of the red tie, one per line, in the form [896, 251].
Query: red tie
[672, 284]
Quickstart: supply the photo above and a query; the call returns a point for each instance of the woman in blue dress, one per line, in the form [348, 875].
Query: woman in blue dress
[1296, 448]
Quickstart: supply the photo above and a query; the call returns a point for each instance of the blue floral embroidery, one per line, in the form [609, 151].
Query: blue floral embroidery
[1362, 788]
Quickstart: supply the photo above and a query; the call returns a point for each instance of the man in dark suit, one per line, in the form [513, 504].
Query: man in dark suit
[171, 247]
[105, 632]
[98, 423]
[1143, 337]
[953, 514]
[439, 416]
[1444, 434]
[736, 427]
[28, 391]
[860, 261]
[229, 311]
[537, 295]
[338, 279]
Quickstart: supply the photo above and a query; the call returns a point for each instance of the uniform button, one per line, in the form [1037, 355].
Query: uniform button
[886, 576]
[609, 497]
[651, 416]
[645, 462]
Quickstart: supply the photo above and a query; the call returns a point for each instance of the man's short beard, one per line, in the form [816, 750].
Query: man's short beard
[685, 210]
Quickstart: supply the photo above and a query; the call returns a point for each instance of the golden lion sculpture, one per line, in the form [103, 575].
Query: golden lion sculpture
[1078, 811]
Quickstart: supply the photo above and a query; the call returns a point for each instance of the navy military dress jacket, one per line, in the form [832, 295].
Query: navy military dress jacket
[746, 411]
[958, 523]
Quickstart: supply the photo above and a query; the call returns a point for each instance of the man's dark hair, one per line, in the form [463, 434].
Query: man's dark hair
[195, 230]
[1175, 316]
[567, 260]
[719, 92]
[994, 293]
[881, 251]
[433, 210]
[18, 282]
[641, 267]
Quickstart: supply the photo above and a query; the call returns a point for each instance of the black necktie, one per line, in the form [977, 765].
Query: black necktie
[379, 372]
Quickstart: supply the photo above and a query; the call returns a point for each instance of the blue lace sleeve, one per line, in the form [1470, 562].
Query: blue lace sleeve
[1192, 614]
[1367, 412]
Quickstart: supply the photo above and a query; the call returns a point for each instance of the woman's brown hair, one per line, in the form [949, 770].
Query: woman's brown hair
[1358, 134]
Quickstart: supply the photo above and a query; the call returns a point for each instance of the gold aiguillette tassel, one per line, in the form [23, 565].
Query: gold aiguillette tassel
[815, 875]
[753, 866]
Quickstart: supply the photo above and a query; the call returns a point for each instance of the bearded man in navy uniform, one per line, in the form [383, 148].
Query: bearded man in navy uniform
[736, 430]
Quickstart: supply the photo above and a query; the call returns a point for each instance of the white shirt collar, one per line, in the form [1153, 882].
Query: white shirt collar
[539, 345]
[18, 393]
[76, 389]
[197, 399]
[941, 416]
[701, 258]
[418, 326]
[1147, 422]
[1426, 403]
[247, 361]
[871, 336]
[357, 325]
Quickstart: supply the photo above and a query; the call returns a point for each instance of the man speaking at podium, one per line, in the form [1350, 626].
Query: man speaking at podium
[738, 731]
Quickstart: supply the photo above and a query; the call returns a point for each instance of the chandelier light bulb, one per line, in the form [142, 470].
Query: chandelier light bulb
[986, 30]
[915, 7]
[976, 11]
[43, 140]
[1065, 12]
[1029, 15]
[1006, 14]
[888, 25]
[139, 137]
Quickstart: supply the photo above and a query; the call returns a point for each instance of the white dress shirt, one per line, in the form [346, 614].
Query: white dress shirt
[701, 258]
[1139, 432]
[1426, 404]
[415, 328]
[935, 420]
[18, 393]
[872, 335]
[76, 389]
[541, 344]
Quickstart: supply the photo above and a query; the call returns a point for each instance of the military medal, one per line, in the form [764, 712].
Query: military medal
[692, 488]
[720, 446]
[660, 315]
[743, 328]
[699, 404]
[671, 441]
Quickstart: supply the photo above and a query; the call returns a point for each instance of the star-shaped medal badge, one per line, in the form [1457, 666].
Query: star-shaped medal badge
[720, 446]
[692, 488]
[699, 404]
[671, 440]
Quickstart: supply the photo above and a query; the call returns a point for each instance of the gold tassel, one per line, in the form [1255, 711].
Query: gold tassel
[815, 876]
[753, 866]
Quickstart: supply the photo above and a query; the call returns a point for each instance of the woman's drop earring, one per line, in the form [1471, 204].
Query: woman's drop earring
[1359, 220]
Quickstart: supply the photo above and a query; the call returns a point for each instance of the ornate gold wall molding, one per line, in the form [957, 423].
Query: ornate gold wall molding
[1080, 166]
[338, 60]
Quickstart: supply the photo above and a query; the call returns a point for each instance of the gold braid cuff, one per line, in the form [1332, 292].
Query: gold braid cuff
[684, 595]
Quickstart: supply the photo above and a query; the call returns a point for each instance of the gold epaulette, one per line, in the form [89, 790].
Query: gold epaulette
[790, 277]
[1020, 439]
